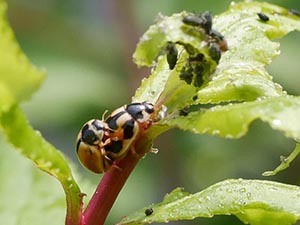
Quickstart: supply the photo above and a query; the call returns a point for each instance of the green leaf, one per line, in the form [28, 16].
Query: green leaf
[19, 79]
[253, 201]
[166, 29]
[17, 74]
[27, 195]
[164, 85]
[241, 73]
[46, 157]
[233, 120]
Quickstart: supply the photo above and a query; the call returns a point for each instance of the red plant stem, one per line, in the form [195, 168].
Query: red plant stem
[108, 190]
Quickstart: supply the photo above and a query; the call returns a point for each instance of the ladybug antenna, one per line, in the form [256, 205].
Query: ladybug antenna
[103, 115]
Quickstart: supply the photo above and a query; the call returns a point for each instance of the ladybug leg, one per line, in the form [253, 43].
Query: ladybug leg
[116, 167]
[107, 142]
[133, 152]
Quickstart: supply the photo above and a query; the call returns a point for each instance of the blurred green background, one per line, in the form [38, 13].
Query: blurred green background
[86, 48]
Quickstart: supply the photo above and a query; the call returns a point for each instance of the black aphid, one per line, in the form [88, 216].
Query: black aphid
[186, 75]
[263, 17]
[203, 20]
[172, 54]
[294, 12]
[193, 20]
[148, 211]
[215, 52]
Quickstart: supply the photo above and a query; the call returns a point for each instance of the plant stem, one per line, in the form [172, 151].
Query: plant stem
[108, 190]
[74, 203]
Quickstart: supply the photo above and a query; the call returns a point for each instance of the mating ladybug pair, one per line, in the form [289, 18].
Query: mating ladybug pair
[101, 142]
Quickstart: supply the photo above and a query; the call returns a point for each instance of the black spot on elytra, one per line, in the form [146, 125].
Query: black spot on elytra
[115, 146]
[112, 121]
[136, 110]
[89, 137]
[128, 129]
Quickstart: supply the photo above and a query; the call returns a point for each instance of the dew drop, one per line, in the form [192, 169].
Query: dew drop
[32, 155]
[215, 132]
[200, 200]
[208, 198]
[48, 164]
[249, 196]
[221, 206]
[241, 202]
[229, 190]
[276, 122]
[232, 50]
[242, 190]
[229, 136]
[248, 28]
[56, 171]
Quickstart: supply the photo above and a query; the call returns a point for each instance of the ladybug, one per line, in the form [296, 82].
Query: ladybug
[101, 142]
[125, 123]
[90, 146]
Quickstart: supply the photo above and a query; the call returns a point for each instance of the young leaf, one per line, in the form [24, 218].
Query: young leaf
[164, 85]
[241, 73]
[17, 74]
[155, 39]
[253, 201]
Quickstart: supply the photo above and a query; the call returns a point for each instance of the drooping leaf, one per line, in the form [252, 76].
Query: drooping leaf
[27, 195]
[45, 156]
[17, 74]
[164, 84]
[233, 120]
[253, 201]
[19, 79]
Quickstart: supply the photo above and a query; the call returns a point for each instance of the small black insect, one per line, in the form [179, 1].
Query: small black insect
[215, 52]
[186, 75]
[148, 211]
[207, 25]
[294, 12]
[196, 58]
[198, 81]
[183, 112]
[172, 55]
[193, 20]
[219, 39]
[263, 17]
[203, 20]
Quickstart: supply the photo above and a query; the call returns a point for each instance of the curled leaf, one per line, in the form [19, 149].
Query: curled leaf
[233, 120]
